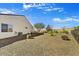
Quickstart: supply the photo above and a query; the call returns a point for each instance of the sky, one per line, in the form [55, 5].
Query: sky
[57, 15]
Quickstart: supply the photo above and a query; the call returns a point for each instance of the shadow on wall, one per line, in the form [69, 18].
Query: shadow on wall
[75, 34]
[10, 40]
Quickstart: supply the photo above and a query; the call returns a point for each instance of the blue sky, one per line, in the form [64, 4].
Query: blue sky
[57, 15]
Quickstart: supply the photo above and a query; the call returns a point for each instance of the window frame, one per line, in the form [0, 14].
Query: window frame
[6, 27]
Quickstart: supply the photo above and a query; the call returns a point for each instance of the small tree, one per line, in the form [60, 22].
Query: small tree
[39, 26]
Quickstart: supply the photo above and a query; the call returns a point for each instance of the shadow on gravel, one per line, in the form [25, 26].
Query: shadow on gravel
[10, 40]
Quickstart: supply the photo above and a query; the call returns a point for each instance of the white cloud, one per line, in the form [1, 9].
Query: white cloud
[58, 9]
[55, 9]
[43, 6]
[57, 19]
[6, 11]
[48, 9]
[65, 20]
[77, 20]
[61, 10]
[28, 6]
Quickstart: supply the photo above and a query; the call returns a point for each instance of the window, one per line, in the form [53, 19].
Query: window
[10, 28]
[6, 28]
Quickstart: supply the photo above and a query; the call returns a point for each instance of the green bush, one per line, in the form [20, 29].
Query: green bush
[65, 37]
[65, 31]
[55, 31]
[51, 32]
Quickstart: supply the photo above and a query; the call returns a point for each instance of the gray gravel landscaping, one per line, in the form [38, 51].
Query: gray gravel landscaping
[43, 45]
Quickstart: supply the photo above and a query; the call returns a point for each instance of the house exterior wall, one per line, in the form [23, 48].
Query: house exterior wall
[19, 24]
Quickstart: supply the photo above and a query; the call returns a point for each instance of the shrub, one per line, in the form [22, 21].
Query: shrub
[65, 37]
[55, 31]
[51, 32]
[65, 31]
[44, 31]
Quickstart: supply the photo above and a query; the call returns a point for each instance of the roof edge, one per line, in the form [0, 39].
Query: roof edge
[12, 14]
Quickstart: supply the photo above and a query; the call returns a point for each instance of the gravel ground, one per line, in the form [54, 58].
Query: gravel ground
[44, 45]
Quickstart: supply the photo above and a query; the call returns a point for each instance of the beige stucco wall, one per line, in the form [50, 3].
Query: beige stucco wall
[18, 22]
